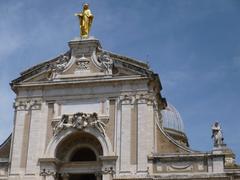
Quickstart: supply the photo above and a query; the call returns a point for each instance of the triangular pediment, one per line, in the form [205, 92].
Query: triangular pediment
[86, 59]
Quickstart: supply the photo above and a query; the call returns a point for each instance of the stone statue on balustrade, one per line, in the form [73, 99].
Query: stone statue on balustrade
[217, 135]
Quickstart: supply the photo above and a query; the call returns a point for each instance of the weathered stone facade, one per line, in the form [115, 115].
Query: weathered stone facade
[92, 114]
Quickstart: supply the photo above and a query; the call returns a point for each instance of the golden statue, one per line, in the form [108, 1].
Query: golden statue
[85, 19]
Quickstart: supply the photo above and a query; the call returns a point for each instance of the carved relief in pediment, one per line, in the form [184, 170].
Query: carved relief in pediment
[86, 60]
[81, 65]
[58, 67]
[105, 62]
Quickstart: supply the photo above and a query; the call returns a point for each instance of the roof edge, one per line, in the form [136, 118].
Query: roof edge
[6, 141]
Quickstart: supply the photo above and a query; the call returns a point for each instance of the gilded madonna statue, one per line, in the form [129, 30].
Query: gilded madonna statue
[85, 19]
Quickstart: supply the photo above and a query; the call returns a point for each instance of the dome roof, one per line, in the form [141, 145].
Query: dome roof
[171, 118]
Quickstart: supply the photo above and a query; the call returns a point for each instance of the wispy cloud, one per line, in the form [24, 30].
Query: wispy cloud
[10, 38]
[236, 61]
[11, 43]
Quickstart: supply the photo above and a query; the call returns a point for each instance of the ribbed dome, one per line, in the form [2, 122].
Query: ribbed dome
[171, 118]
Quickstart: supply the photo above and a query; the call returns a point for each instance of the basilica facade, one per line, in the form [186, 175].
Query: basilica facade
[90, 114]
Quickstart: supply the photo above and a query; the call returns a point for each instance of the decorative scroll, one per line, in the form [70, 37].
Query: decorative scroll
[59, 66]
[79, 121]
[106, 62]
[127, 99]
[25, 105]
[45, 173]
[145, 98]
[109, 170]
[103, 62]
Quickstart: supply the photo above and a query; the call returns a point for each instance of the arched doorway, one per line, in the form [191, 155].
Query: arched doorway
[83, 154]
[79, 156]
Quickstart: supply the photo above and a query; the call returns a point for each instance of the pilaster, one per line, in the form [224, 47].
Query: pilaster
[145, 134]
[125, 136]
[37, 138]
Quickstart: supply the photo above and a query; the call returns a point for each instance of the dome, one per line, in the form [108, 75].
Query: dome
[171, 118]
[173, 124]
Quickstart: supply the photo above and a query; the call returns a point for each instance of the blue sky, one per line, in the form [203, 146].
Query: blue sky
[193, 45]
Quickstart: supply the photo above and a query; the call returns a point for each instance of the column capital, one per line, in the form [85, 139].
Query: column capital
[45, 173]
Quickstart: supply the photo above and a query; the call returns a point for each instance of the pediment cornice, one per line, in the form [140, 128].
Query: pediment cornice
[84, 60]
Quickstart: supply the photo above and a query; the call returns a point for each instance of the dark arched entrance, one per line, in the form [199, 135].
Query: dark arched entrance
[79, 156]
[82, 177]
[76, 144]
[83, 154]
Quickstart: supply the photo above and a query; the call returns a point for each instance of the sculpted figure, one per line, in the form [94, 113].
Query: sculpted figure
[95, 122]
[79, 121]
[217, 134]
[99, 125]
[58, 67]
[61, 63]
[107, 62]
[85, 18]
[62, 124]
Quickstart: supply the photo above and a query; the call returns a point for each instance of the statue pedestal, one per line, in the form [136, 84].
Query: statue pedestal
[87, 59]
[229, 156]
[84, 47]
[219, 149]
